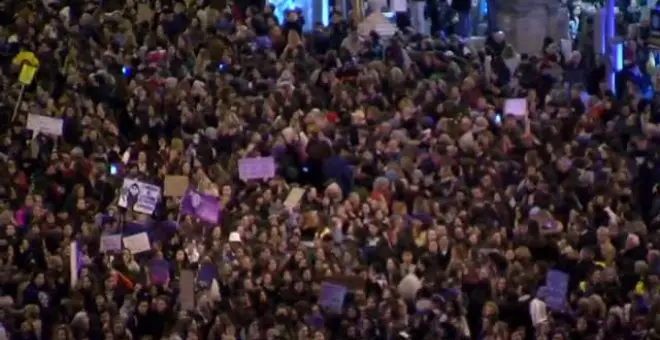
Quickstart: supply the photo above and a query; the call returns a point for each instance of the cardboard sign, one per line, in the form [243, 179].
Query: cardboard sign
[187, 290]
[176, 186]
[294, 197]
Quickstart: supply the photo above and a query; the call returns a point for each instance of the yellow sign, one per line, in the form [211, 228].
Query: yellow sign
[26, 57]
[27, 74]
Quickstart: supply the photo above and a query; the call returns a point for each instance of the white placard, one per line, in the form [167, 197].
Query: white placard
[44, 124]
[74, 263]
[139, 196]
[566, 48]
[137, 243]
[110, 243]
[516, 107]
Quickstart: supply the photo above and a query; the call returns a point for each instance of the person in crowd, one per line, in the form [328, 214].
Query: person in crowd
[197, 170]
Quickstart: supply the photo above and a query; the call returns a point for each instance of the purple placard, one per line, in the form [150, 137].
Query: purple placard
[204, 207]
[332, 297]
[110, 242]
[556, 286]
[256, 168]
[159, 271]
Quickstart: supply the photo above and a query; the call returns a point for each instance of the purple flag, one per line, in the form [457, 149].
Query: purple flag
[332, 297]
[204, 207]
[207, 272]
[135, 227]
[256, 168]
[159, 271]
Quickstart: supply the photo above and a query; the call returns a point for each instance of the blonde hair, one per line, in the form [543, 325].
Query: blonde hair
[396, 76]
[609, 253]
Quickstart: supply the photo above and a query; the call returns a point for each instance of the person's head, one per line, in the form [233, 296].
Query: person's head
[39, 279]
[143, 307]
[127, 256]
[62, 332]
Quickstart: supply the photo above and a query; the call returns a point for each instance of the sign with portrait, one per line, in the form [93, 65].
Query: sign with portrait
[139, 196]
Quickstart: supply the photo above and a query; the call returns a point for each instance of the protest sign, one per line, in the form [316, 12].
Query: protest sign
[256, 168]
[137, 243]
[556, 284]
[75, 263]
[204, 207]
[159, 271]
[516, 107]
[110, 242]
[26, 76]
[294, 197]
[139, 196]
[175, 186]
[332, 297]
[187, 290]
[45, 124]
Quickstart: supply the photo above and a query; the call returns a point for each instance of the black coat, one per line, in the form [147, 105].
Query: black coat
[461, 5]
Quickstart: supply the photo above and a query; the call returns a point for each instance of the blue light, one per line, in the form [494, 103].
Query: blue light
[603, 31]
[619, 57]
[618, 65]
[126, 71]
[325, 12]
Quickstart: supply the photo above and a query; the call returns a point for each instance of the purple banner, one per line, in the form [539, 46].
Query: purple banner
[332, 297]
[159, 271]
[204, 207]
[256, 168]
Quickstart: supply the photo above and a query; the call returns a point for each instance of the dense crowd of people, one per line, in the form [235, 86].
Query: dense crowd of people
[184, 170]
